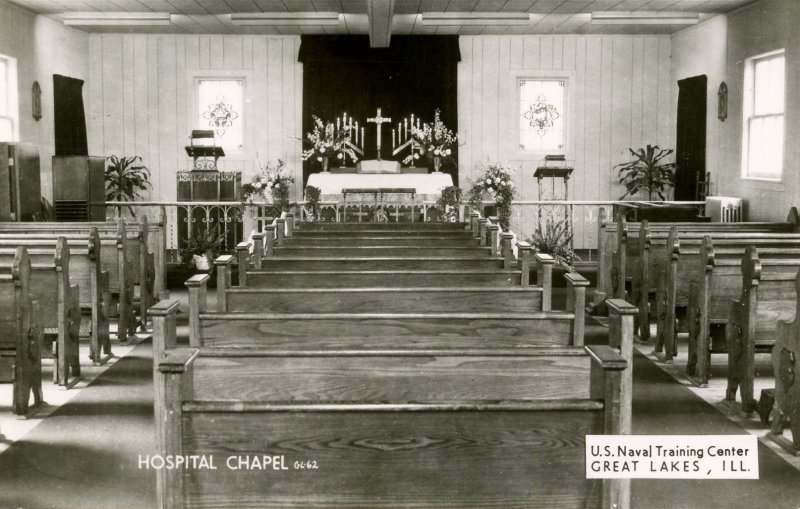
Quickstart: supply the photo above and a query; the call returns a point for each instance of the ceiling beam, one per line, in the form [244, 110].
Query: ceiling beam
[379, 13]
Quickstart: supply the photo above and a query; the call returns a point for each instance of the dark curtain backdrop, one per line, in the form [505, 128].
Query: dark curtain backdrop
[342, 74]
[69, 117]
[690, 148]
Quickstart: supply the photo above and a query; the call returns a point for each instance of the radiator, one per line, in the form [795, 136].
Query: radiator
[722, 209]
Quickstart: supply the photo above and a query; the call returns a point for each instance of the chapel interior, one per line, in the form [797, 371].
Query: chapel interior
[399, 253]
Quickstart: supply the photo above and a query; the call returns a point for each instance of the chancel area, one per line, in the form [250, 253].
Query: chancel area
[399, 253]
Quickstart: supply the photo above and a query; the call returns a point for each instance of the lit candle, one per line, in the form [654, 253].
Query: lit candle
[405, 126]
[362, 136]
[394, 141]
[337, 124]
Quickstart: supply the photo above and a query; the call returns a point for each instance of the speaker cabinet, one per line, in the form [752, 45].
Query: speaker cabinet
[20, 184]
[79, 181]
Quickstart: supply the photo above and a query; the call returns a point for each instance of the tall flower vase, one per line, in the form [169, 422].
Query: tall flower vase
[437, 163]
[324, 164]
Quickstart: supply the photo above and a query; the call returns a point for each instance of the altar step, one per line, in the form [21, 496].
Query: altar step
[373, 300]
[256, 329]
[335, 227]
[381, 263]
[382, 239]
[454, 252]
[372, 232]
[474, 278]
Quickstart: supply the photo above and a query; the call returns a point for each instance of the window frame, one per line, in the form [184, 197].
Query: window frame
[748, 115]
[194, 79]
[12, 98]
[569, 79]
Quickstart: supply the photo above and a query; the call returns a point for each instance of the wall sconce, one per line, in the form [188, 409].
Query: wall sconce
[36, 101]
[722, 102]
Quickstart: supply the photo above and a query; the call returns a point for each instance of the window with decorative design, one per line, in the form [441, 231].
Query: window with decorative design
[220, 108]
[763, 116]
[542, 115]
[9, 110]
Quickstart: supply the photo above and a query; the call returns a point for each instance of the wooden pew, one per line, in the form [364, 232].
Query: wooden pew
[92, 282]
[468, 426]
[753, 319]
[58, 297]
[113, 258]
[613, 234]
[677, 261]
[717, 280]
[20, 335]
[146, 267]
[786, 363]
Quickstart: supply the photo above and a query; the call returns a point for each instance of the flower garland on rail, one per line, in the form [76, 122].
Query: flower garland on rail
[496, 181]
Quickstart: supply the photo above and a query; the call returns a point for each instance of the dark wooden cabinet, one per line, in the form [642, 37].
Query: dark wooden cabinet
[20, 182]
[79, 181]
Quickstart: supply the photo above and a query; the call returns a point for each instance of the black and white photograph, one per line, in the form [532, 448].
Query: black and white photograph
[389, 254]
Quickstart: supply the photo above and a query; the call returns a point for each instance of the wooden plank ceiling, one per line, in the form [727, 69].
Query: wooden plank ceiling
[551, 16]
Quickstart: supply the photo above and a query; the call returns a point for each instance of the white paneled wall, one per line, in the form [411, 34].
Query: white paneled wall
[139, 98]
[621, 99]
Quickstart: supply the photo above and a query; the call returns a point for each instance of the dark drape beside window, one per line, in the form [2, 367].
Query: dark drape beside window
[690, 149]
[342, 74]
[69, 116]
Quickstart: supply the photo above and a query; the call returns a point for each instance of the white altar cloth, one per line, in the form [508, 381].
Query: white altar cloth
[333, 183]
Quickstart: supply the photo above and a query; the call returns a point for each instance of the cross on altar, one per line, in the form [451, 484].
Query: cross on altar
[378, 120]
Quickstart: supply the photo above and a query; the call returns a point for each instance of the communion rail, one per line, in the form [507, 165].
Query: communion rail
[232, 219]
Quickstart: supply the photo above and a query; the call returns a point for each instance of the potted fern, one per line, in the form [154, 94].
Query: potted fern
[126, 178]
[204, 245]
[555, 239]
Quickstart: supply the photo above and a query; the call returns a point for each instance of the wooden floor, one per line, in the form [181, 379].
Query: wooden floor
[84, 455]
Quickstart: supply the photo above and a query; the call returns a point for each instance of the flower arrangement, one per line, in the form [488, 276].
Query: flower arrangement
[496, 181]
[448, 203]
[435, 141]
[271, 183]
[326, 141]
[312, 209]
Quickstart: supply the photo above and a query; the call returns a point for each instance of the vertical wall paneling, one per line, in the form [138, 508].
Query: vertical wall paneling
[140, 92]
[128, 96]
[665, 122]
[615, 102]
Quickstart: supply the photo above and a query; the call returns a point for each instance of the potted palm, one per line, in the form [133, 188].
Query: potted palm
[126, 178]
[203, 247]
[647, 172]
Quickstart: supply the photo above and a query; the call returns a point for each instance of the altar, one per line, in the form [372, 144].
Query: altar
[428, 185]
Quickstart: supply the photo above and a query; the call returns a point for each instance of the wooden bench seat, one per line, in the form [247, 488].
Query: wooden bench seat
[460, 427]
[766, 299]
[675, 259]
[20, 335]
[58, 297]
[614, 260]
[92, 282]
[786, 365]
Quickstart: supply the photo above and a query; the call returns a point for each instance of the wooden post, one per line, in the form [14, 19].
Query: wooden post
[524, 251]
[289, 224]
[160, 285]
[544, 278]
[125, 286]
[620, 335]
[643, 283]
[620, 256]
[603, 261]
[473, 217]
[482, 225]
[576, 303]
[269, 243]
[172, 384]
[508, 253]
[280, 231]
[198, 300]
[164, 319]
[223, 264]
[243, 257]
[494, 239]
[145, 299]
[258, 249]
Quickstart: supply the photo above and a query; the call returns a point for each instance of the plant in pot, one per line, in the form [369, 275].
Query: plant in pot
[448, 203]
[312, 210]
[647, 172]
[494, 184]
[126, 178]
[555, 239]
[203, 247]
